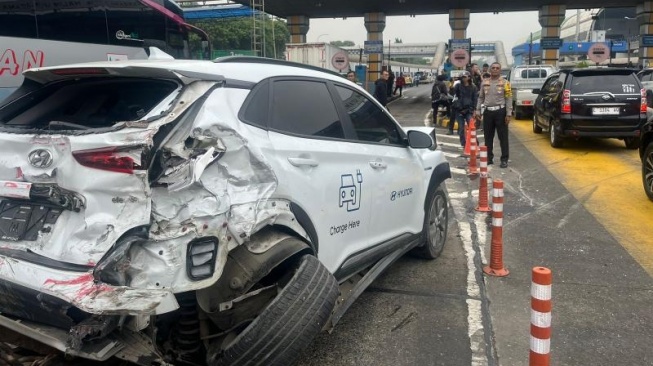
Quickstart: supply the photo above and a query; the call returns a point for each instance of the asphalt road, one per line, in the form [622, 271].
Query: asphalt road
[580, 211]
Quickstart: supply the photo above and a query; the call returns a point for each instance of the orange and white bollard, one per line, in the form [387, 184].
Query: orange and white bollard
[473, 169]
[467, 150]
[483, 201]
[496, 250]
[540, 317]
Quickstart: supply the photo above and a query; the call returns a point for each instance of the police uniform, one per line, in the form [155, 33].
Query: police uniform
[496, 96]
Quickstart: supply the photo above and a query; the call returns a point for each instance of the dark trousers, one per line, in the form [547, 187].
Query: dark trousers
[401, 89]
[496, 121]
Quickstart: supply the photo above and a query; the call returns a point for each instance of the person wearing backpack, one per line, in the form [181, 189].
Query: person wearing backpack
[439, 97]
[466, 96]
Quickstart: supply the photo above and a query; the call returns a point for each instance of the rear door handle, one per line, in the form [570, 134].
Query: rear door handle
[303, 162]
[378, 164]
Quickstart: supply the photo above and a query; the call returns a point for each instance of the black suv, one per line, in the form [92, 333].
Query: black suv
[607, 102]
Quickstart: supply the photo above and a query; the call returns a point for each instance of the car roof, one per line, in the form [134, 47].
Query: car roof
[599, 71]
[239, 70]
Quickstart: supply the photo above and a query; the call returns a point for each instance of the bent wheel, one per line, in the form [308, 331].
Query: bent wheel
[288, 324]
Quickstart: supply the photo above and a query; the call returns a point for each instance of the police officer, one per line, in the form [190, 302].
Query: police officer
[496, 96]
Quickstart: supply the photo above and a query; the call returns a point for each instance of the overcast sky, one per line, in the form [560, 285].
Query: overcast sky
[511, 28]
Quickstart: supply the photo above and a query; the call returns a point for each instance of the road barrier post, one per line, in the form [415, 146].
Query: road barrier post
[496, 250]
[467, 141]
[473, 169]
[483, 202]
[540, 317]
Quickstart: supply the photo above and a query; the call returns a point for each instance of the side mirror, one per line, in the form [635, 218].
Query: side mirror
[419, 140]
[536, 91]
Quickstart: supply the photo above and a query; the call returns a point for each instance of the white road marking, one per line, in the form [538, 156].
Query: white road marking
[476, 331]
[458, 171]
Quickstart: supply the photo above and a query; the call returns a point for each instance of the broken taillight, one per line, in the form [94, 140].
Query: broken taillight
[110, 159]
[643, 105]
[566, 101]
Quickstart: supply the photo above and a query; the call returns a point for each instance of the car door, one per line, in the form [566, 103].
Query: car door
[540, 103]
[318, 170]
[397, 196]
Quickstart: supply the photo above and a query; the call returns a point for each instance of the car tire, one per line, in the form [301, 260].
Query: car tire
[554, 136]
[632, 143]
[536, 127]
[518, 113]
[436, 223]
[288, 324]
[647, 170]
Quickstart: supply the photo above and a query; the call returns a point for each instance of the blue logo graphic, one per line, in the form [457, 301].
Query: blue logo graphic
[350, 191]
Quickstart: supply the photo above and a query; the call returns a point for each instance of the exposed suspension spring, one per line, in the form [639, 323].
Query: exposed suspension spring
[188, 330]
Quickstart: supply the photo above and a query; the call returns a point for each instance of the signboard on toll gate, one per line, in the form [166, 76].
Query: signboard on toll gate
[459, 57]
[646, 40]
[598, 52]
[550, 43]
[373, 47]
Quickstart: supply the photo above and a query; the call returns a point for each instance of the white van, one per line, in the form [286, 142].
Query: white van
[524, 79]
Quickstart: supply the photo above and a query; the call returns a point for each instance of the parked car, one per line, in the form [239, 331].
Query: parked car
[601, 102]
[197, 212]
[646, 154]
[523, 79]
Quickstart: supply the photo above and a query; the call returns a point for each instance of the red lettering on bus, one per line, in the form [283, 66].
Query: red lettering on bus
[33, 59]
[8, 63]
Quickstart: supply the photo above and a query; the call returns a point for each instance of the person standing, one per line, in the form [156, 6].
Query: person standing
[467, 95]
[381, 88]
[351, 76]
[486, 68]
[496, 96]
[440, 97]
[476, 76]
[399, 84]
[391, 81]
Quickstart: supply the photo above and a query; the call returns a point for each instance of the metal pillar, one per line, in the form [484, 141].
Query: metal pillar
[375, 24]
[645, 20]
[459, 20]
[298, 27]
[551, 16]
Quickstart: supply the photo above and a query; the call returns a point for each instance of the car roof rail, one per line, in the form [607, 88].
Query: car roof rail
[271, 61]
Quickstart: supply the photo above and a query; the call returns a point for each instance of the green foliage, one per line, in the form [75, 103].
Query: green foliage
[413, 60]
[582, 64]
[236, 34]
[343, 43]
[398, 40]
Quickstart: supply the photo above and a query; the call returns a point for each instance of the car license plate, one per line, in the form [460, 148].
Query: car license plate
[23, 220]
[605, 111]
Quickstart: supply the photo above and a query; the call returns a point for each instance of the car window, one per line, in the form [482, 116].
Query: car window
[547, 85]
[304, 108]
[613, 83]
[646, 75]
[369, 120]
[533, 73]
[86, 103]
[257, 107]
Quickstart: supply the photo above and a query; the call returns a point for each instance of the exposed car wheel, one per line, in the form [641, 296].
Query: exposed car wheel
[536, 128]
[436, 223]
[647, 170]
[556, 139]
[632, 143]
[288, 324]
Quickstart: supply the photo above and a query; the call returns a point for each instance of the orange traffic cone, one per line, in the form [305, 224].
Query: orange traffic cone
[483, 201]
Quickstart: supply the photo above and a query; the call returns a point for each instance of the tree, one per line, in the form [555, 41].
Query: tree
[236, 34]
[343, 43]
[398, 40]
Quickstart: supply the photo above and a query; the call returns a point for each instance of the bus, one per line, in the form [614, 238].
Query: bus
[55, 32]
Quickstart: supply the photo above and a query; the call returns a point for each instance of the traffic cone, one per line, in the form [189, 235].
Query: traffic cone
[468, 146]
[496, 250]
[473, 169]
[483, 204]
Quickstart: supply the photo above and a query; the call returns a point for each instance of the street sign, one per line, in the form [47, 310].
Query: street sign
[550, 43]
[647, 40]
[459, 57]
[464, 43]
[340, 60]
[598, 52]
[373, 47]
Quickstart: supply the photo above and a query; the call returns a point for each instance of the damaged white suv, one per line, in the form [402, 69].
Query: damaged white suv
[202, 212]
